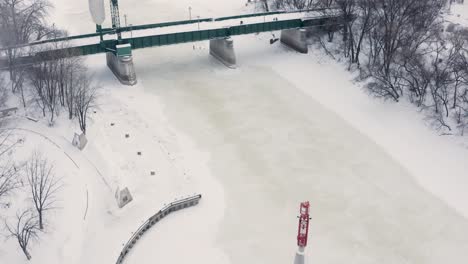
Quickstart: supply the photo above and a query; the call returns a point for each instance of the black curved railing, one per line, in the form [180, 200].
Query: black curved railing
[167, 209]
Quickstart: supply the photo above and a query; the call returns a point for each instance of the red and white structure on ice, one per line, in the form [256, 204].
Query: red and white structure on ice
[302, 232]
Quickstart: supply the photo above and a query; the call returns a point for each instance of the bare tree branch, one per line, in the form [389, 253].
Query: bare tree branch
[8, 171]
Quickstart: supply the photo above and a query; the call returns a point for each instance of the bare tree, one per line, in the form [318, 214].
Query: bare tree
[43, 185]
[348, 8]
[24, 229]
[416, 78]
[85, 100]
[45, 77]
[8, 180]
[21, 21]
[8, 170]
[293, 4]
[18, 83]
[54, 76]
[402, 26]
[72, 70]
[359, 21]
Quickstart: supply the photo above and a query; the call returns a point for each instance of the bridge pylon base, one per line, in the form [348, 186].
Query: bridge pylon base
[122, 67]
[223, 50]
[299, 258]
[295, 39]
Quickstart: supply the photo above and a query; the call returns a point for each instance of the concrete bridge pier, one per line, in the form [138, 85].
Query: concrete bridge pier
[295, 39]
[223, 50]
[121, 64]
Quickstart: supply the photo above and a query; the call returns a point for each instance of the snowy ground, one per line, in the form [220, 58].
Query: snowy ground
[255, 141]
[459, 14]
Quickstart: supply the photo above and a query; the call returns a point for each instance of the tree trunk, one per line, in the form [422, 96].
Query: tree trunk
[26, 252]
[22, 97]
[41, 226]
[265, 5]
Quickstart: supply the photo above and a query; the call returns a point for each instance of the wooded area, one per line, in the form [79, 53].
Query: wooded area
[404, 49]
[51, 84]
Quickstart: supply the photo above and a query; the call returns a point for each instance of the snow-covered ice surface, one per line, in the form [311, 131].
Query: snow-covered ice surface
[272, 146]
[459, 14]
[255, 141]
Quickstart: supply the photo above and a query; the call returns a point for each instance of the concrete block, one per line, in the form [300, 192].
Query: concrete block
[223, 50]
[295, 39]
[123, 197]
[122, 67]
[80, 141]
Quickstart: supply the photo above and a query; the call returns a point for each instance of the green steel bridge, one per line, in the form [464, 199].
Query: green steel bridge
[106, 40]
[120, 41]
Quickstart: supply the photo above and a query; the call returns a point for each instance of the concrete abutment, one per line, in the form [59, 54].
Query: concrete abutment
[121, 64]
[295, 39]
[223, 50]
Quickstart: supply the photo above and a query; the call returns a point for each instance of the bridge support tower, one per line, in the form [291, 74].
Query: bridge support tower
[120, 63]
[223, 50]
[295, 39]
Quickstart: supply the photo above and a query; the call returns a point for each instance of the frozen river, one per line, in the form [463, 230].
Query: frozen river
[271, 147]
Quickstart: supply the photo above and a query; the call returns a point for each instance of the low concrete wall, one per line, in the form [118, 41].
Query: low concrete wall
[295, 39]
[223, 50]
[172, 207]
[122, 67]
